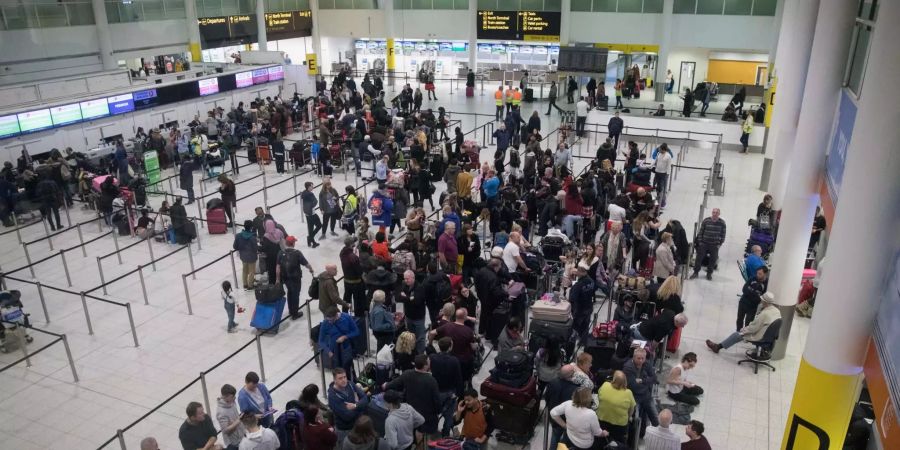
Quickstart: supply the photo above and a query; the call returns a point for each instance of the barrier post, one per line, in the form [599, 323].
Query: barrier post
[140, 269]
[294, 182]
[102, 278]
[234, 271]
[115, 235]
[47, 233]
[87, 314]
[205, 390]
[262, 368]
[369, 342]
[24, 345]
[62, 254]
[187, 295]
[121, 435]
[199, 209]
[65, 341]
[131, 322]
[199, 247]
[309, 316]
[28, 259]
[265, 193]
[152, 258]
[16, 224]
[546, 429]
[40, 289]
[99, 220]
[81, 240]
[3, 281]
[191, 260]
[68, 218]
[322, 370]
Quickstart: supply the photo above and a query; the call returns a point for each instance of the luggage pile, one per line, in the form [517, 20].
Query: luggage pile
[512, 393]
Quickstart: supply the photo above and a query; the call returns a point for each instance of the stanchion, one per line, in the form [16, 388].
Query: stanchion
[199, 247]
[87, 314]
[187, 295]
[121, 436]
[62, 254]
[102, 278]
[47, 233]
[191, 260]
[205, 390]
[22, 343]
[115, 235]
[28, 259]
[2, 281]
[140, 269]
[294, 182]
[546, 429]
[262, 368]
[81, 240]
[65, 341]
[99, 220]
[366, 333]
[234, 271]
[40, 289]
[152, 258]
[265, 193]
[131, 322]
[68, 218]
[322, 357]
[199, 211]
[16, 224]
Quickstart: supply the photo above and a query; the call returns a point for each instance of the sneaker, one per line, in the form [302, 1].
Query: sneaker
[315, 244]
[713, 346]
[693, 276]
[297, 316]
[334, 234]
[709, 276]
[233, 330]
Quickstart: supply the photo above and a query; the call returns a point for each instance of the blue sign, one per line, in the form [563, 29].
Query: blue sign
[120, 104]
[840, 140]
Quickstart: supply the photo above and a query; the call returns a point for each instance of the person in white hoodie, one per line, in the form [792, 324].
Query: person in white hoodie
[401, 422]
[257, 437]
[229, 418]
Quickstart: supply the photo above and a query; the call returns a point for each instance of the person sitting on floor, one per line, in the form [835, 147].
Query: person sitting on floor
[678, 387]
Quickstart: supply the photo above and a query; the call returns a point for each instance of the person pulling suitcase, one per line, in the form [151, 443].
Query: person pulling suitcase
[288, 271]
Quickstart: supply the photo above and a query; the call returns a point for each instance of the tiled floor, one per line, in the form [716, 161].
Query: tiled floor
[41, 407]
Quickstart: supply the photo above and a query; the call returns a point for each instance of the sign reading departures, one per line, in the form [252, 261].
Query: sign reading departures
[241, 29]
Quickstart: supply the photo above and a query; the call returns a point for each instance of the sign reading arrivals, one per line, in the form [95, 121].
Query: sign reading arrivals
[241, 29]
[519, 25]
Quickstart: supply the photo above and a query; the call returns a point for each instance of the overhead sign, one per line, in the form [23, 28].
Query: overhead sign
[840, 141]
[519, 25]
[227, 30]
[288, 24]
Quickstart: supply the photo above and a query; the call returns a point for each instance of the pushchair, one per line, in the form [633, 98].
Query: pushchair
[13, 317]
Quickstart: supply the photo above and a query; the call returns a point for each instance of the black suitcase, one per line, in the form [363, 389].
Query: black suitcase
[602, 351]
[514, 361]
[552, 331]
[620, 181]
[518, 421]
[529, 95]
[268, 293]
[360, 342]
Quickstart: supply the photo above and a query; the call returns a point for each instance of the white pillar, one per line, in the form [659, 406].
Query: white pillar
[665, 41]
[821, 94]
[103, 36]
[261, 25]
[565, 21]
[860, 250]
[316, 34]
[193, 30]
[794, 44]
[473, 34]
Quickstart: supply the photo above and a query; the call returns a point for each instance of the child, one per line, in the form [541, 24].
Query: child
[228, 298]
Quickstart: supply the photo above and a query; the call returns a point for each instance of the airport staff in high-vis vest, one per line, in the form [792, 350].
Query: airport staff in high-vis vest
[517, 98]
[498, 98]
[509, 100]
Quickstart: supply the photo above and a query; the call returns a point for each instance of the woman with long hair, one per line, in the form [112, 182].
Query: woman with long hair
[405, 351]
[363, 437]
[664, 265]
[668, 295]
[641, 229]
[271, 244]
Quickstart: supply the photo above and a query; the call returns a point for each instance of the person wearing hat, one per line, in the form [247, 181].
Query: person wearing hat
[755, 330]
[288, 271]
[581, 297]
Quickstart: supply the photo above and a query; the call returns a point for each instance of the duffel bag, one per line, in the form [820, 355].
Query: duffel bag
[514, 361]
[551, 330]
[519, 396]
[515, 380]
[268, 293]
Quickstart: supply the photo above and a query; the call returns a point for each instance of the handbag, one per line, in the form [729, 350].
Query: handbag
[385, 355]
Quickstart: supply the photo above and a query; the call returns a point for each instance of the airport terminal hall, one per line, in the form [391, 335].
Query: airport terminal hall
[449, 225]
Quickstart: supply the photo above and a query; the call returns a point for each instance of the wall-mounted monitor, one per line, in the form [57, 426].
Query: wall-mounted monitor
[120, 104]
[9, 126]
[276, 73]
[93, 109]
[65, 114]
[243, 79]
[35, 120]
[208, 86]
[226, 83]
[260, 76]
[145, 99]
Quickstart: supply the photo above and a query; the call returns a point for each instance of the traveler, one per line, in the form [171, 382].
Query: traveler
[381, 321]
[446, 371]
[498, 100]
[228, 300]
[289, 272]
[551, 96]
[661, 165]
[328, 291]
[335, 341]
[363, 437]
[254, 398]
[511, 337]
[571, 89]
[582, 368]
[688, 102]
[754, 261]
[751, 295]
[464, 342]
[330, 204]
[710, 237]
[186, 177]
[421, 392]
[581, 113]
[490, 291]
[668, 295]
[819, 225]
[246, 245]
[670, 81]
[581, 297]
[615, 127]
[659, 326]
[591, 88]
[313, 223]
[581, 423]
[558, 391]
[696, 440]
[51, 198]
[664, 265]
[616, 406]
[347, 401]
[755, 330]
[512, 256]
[401, 423]
[198, 430]
[271, 243]
[229, 418]
[613, 243]
[309, 397]
[476, 418]
[618, 88]
[229, 197]
[257, 437]
[317, 434]
[448, 250]
[678, 387]
[746, 129]
[641, 378]
[659, 436]
[409, 293]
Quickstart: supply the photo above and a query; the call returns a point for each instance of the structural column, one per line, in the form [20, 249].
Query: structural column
[807, 160]
[665, 41]
[473, 34]
[103, 35]
[316, 34]
[193, 29]
[794, 44]
[261, 25]
[565, 21]
[859, 255]
[391, 53]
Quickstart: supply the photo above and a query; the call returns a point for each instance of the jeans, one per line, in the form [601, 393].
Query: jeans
[579, 125]
[499, 113]
[417, 327]
[732, 339]
[688, 395]
[448, 407]
[660, 181]
[279, 162]
[313, 225]
[556, 433]
[745, 141]
[293, 295]
[619, 104]
[635, 334]
[648, 412]
[49, 212]
[746, 313]
[704, 108]
[248, 274]
[703, 250]
[569, 224]
[615, 137]
[229, 309]
[190, 193]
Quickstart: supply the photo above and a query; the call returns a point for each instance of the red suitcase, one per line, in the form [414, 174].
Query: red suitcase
[470, 91]
[674, 341]
[215, 221]
[513, 396]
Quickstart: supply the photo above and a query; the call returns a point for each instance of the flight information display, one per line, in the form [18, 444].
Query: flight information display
[35, 120]
[582, 59]
[519, 25]
[288, 24]
[276, 73]
[208, 86]
[120, 104]
[260, 76]
[9, 126]
[94, 108]
[145, 99]
[65, 114]
[244, 79]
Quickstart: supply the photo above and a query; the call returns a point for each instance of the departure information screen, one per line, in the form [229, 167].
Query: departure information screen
[94, 108]
[9, 126]
[244, 79]
[120, 104]
[208, 86]
[35, 120]
[519, 25]
[65, 114]
[288, 24]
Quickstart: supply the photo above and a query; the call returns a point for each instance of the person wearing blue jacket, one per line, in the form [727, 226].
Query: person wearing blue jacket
[335, 339]
[447, 215]
[254, 398]
[381, 207]
[347, 402]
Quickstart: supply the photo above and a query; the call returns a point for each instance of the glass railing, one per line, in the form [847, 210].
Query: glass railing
[44, 14]
[118, 11]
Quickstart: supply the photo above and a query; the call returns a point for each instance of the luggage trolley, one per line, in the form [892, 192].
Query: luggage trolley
[13, 318]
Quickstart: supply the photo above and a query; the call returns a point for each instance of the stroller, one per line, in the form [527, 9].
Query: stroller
[13, 317]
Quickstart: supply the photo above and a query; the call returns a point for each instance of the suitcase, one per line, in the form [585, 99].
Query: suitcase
[514, 396]
[529, 95]
[216, 221]
[268, 293]
[99, 179]
[445, 444]
[514, 419]
[360, 342]
[553, 331]
[266, 316]
[551, 311]
[378, 412]
[470, 91]
[674, 341]
[251, 154]
[263, 154]
[514, 361]
[602, 351]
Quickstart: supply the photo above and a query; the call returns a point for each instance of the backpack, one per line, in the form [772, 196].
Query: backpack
[443, 290]
[375, 206]
[290, 263]
[287, 428]
[314, 288]
[64, 172]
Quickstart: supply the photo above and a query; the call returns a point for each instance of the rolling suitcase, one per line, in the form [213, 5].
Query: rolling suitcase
[470, 91]
[263, 154]
[552, 331]
[266, 316]
[514, 422]
[216, 221]
[520, 396]
[268, 293]
[529, 95]
[674, 341]
[550, 311]
[602, 351]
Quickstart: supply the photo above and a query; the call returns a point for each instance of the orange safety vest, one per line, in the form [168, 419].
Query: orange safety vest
[509, 95]
[517, 97]
[498, 96]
